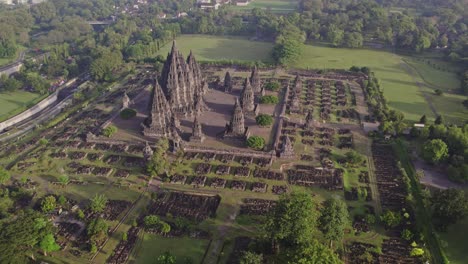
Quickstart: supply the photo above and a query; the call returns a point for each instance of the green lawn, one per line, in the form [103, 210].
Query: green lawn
[279, 6]
[15, 102]
[154, 246]
[436, 78]
[398, 78]
[455, 242]
[207, 48]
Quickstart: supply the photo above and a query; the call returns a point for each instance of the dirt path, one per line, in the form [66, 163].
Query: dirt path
[433, 177]
[216, 245]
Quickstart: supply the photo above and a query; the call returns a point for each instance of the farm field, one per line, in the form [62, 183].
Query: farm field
[13, 103]
[275, 6]
[397, 77]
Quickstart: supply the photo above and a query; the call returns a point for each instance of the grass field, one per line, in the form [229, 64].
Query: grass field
[455, 242]
[276, 6]
[15, 102]
[398, 78]
[208, 48]
[154, 246]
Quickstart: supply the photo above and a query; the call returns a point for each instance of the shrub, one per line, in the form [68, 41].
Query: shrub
[438, 92]
[256, 142]
[272, 86]
[269, 99]
[264, 120]
[417, 252]
[109, 131]
[127, 113]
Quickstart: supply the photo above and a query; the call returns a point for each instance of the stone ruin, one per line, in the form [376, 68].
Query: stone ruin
[227, 83]
[247, 100]
[197, 133]
[125, 101]
[236, 129]
[287, 150]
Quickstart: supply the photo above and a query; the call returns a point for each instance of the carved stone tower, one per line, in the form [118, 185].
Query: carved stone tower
[125, 101]
[255, 80]
[287, 150]
[227, 83]
[309, 121]
[197, 133]
[237, 124]
[147, 152]
[247, 97]
[160, 117]
[181, 81]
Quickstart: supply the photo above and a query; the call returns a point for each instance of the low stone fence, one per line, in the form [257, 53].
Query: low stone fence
[269, 155]
[51, 99]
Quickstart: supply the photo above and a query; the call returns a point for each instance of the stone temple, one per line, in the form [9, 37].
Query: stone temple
[178, 92]
[182, 82]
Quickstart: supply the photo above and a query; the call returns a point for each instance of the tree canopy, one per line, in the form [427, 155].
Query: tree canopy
[448, 207]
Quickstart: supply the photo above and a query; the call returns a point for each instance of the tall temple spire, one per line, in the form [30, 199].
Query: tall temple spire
[181, 80]
[287, 150]
[237, 124]
[298, 84]
[255, 80]
[197, 133]
[227, 82]
[247, 97]
[160, 117]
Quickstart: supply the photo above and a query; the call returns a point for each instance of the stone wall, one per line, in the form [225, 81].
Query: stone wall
[10, 69]
[51, 99]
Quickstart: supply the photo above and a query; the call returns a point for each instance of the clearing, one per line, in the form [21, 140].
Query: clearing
[13, 103]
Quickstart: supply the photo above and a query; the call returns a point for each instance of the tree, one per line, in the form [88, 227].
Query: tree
[249, 257]
[109, 131]
[406, 234]
[435, 151]
[256, 142]
[64, 179]
[292, 221]
[48, 204]
[19, 238]
[335, 35]
[264, 120]
[98, 203]
[448, 207]
[288, 45]
[48, 244]
[313, 252]
[391, 219]
[269, 99]
[417, 252]
[97, 230]
[438, 92]
[4, 175]
[353, 40]
[158, 163]
[333, 219]
[439, 120]
[151, 221]
[272, 86]
[423, 119]
[166, 258]
[353, 157]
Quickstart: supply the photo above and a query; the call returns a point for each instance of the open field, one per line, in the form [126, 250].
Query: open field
[221, 48]
[276, 6]
[436, 78]
[397, 77]
[154, 246]
[455, 242]
[15, 102]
